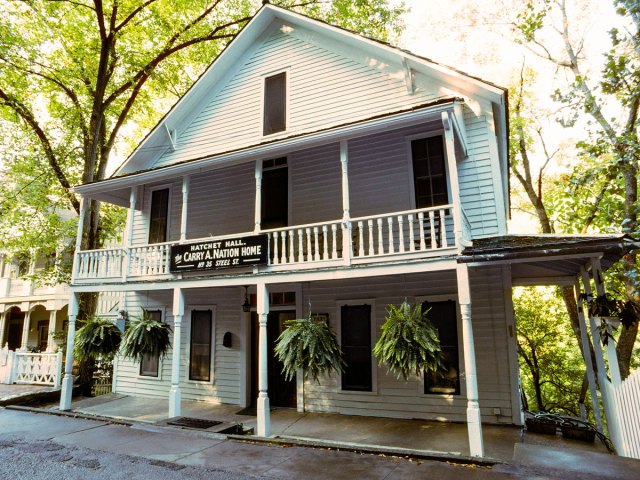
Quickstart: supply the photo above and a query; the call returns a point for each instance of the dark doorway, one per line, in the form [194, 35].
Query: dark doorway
[282, 393]
[14, 335]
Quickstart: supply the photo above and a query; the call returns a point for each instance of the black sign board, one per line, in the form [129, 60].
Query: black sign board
[216, 254]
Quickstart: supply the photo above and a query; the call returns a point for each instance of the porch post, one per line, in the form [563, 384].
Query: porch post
[128, 238]
[612, 356]
[67, 381]
[474, 424]
[25, 330]
[83, 212]
[258, 208]
[264, 420]
[185, 201]
[586, 351]
[453, 178]
[52, 327]
[595, 335]
[347, 251]
[174, 391]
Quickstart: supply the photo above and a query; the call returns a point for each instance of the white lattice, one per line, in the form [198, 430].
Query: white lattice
[38, 368]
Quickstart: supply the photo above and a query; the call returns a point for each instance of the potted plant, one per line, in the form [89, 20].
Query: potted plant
[97, 338]
[311, 345]
[542, 422]
[145, 336]
[577, 430]
[409, 342]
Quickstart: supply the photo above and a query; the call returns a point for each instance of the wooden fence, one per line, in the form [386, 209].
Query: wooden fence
[624, 418]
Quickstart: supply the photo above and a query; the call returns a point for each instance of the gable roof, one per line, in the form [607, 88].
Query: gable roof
[158, 140]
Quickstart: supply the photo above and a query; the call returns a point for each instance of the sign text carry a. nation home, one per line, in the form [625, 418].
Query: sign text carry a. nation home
[233, 252]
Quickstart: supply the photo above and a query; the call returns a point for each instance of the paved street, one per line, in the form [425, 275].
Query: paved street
[41, 446]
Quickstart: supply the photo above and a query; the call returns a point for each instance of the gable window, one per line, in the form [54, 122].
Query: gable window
[355, 335]
[443, 316]
[149, 366]
[159, 216]
[275, 104]
[200, 345]
[275, 193]
[429, 172]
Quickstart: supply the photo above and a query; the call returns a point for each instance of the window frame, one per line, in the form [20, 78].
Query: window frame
[287, 104]
[409, 153]
[374, 327]
[187, 314]
[161, 309]
[420, 299]
[147, 210]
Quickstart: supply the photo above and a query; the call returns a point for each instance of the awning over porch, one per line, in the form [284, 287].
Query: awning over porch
[547, 258]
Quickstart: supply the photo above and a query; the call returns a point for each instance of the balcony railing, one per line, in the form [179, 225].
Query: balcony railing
[408, 234]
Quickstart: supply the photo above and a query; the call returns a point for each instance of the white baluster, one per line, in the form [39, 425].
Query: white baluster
[325, 241]
[412, 240]
[380, 239]
[275, 248]
[334, 232]
[360, 238]
[443, 227]
[284, 246]
[392, 248]
[370, 225]
[300, 245]
[315, 243]
[292, 253]
[401, 233]
[423, 244]
[309, 251]
[434, 243]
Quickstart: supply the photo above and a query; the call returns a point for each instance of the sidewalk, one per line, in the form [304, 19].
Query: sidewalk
[11, 394]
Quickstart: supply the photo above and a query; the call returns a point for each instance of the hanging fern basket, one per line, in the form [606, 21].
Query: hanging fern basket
[145, 336]
[308, 344]
[97, 338]
[409, 343]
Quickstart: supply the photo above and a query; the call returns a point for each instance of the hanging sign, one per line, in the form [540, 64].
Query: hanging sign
[212, 255]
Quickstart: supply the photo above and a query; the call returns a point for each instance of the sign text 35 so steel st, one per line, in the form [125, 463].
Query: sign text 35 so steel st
[212, 255]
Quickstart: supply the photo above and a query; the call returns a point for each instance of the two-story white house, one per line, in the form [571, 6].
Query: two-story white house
[313, 169]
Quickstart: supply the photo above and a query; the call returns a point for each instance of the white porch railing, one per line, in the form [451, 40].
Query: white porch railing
[30, 368]
[416, 233]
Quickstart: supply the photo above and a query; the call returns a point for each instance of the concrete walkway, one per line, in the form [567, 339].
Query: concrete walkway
[10, 394]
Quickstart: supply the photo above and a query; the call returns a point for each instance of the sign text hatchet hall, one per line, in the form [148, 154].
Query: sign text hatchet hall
[211, 255]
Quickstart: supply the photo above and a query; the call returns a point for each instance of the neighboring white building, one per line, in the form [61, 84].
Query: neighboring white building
[321, 169]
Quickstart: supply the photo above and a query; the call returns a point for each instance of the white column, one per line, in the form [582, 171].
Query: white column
[174, 391]
[474, 424]
[52, 328]
[67, 381]
[595, 335]
[258, 209]
[453, 178]
[83, 211]
[185, 202]
[612, 355]
[586, 350]
[264, 420]
[347, 250]
[128, 237]
[25, 330]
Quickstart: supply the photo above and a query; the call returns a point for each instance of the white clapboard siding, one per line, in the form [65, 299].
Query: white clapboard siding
[326, 88]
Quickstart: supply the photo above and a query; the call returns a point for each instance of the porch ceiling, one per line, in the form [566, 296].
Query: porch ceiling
[546, 258]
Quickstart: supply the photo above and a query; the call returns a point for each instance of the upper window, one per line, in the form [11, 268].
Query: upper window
[159, 215]
[275, 104]
[275, 193]
[429, 172]
[443, 316]
[150, 363]
[355, 335]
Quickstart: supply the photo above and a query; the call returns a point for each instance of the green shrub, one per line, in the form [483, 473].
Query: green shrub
[98, 337]
[145, 336]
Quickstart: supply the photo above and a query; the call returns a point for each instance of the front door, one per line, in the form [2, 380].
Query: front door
[14, 335]
[282, 392]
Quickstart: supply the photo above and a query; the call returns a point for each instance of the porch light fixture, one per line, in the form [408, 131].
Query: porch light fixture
[246, 306]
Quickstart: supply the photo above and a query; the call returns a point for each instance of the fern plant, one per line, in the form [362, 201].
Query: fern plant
[310, 345]
[98, 337]
[145, 336]
[408, 342]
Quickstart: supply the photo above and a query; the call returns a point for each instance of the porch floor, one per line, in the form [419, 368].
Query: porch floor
[420, 436]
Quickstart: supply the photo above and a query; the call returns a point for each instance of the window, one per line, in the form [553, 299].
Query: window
[355, 333]
[149, 365]
[275, 193]
[200, 351]
[275, 104]
[158, 216]
[444, 318]
[429, 172]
